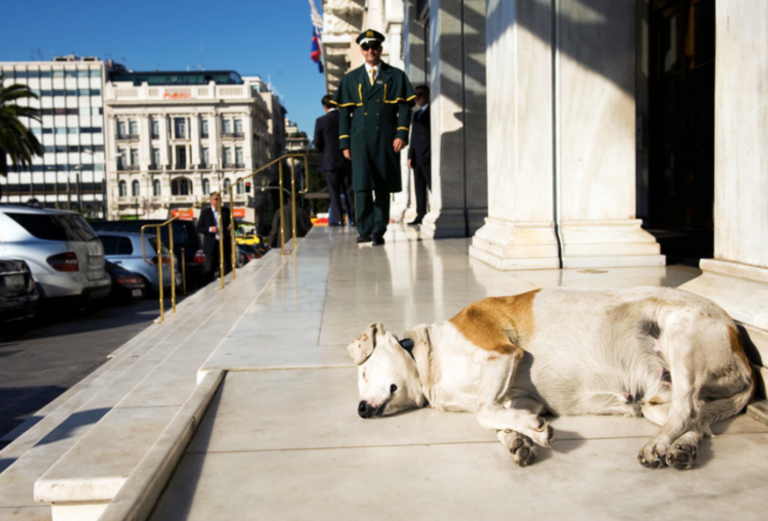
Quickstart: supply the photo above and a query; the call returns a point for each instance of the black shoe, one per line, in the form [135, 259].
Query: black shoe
[415, 222]
[378, 240]
[363, 239]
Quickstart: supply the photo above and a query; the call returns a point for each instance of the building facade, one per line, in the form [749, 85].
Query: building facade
[174, 138]
[70, 174]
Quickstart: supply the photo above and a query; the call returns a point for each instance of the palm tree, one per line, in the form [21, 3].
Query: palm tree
[16, 140]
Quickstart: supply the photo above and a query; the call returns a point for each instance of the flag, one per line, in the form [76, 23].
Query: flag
[316, 53]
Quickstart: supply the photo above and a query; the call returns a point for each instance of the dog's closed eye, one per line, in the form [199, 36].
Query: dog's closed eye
[392, 388]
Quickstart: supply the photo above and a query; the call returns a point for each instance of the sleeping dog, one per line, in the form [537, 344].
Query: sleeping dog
[668, 355]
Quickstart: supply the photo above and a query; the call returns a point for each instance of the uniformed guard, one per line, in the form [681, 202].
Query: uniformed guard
[374, 102]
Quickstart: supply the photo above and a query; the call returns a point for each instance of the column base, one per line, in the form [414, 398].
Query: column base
[508, 245]
[609, 244]
[448, 223]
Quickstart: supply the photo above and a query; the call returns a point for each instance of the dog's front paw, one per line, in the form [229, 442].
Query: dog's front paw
[681, 456]
[653, 455]
[520, 447]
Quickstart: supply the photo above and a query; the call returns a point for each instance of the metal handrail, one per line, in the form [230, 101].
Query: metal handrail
[230, 188]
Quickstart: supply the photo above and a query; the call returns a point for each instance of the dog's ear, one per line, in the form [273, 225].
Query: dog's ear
[362, 348]
[420, 337]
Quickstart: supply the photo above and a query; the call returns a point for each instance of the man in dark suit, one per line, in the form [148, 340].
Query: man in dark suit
[418, 153]
[208, 226]
[374, 103]
[337, 168]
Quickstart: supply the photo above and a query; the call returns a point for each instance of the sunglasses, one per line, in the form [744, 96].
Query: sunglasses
[373, 45]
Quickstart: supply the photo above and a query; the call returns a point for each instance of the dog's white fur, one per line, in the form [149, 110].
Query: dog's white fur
[671, 356]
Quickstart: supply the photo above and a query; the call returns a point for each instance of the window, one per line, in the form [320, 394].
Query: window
[205, 157]
[181, 157]
[227, 182]
[133, 128]
[226, 126]
[154, 126]
[156, 189]
[206, 187]
[239, 156]
[123, 188]
[135, 188]
[181, 186]
[121, 129]
[227, 156]
[116, 245]
[179, 127]
[155, 158]
[135, 157]
[238, 126]
[203, 128]
[240, 188]
[121, 159]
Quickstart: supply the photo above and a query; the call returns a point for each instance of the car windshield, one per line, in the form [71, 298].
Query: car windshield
[116, 245]
[55, 227]
[153, 242]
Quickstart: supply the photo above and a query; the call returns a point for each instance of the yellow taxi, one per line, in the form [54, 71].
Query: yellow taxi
[250, 240]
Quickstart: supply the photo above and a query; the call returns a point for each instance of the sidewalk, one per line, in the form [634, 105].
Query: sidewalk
[282, 439]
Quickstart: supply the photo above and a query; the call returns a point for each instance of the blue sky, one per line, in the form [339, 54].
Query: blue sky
[269, 38]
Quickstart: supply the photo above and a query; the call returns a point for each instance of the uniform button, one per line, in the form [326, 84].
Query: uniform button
[378, 101]
[378, 114]
[367, 114]
[377, 128]
[365, 128]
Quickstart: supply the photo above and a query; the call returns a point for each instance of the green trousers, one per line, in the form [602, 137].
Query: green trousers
[372, 212]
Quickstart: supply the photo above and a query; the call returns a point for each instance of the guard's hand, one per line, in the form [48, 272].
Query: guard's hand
[398, 145]
[410, 165]
[347, 154]
[212, 229]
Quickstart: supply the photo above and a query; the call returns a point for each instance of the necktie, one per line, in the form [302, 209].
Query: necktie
[373, 75]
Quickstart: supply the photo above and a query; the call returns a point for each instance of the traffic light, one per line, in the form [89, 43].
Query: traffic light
[247, 187]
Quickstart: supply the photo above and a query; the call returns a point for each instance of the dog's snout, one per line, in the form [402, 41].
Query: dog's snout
[364, 409]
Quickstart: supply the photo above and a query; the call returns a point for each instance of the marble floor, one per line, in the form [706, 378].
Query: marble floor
[282, 438]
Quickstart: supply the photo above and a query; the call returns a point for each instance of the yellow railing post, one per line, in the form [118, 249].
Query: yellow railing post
[173, 272]
[282, 215]
[232, 231]
[293, 201]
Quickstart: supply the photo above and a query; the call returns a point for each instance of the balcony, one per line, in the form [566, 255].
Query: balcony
[232, 134]
[127, 137]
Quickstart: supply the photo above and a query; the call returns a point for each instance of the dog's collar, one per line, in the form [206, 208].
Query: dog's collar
[407, 344]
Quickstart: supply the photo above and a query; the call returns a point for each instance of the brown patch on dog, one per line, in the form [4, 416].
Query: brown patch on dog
[737, 346]
[498, 324]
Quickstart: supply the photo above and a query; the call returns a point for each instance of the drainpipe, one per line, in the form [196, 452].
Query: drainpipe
[556, 173]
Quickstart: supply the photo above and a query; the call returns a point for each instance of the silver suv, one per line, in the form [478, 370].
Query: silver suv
[65, 255]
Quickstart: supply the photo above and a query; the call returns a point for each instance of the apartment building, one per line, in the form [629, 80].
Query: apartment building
[174, 138]
[70, 174]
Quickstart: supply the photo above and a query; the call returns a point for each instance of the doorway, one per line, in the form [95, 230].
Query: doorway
[681, 128]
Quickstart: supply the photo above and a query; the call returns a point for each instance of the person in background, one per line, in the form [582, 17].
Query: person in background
[418, 154]
[208, 227]
[337, 168]
[374, 103]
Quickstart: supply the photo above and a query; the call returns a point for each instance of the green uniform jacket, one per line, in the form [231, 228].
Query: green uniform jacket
[380, 114]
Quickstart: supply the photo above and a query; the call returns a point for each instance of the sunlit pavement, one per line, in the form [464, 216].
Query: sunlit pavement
[282, 438]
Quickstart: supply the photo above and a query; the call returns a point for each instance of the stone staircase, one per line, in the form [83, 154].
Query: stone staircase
[74, 456]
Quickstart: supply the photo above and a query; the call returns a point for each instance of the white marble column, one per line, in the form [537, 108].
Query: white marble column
[459, 197]
[562, 138]
[519, 231]
[595, 119]
[737, 278]
[403, 207]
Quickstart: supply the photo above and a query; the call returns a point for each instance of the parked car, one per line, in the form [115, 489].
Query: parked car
[63, 253]
[124, 249]
[184, 236]
[127, 286]
[18, 294]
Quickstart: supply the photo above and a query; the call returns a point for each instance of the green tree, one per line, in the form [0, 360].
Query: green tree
[16, 139]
